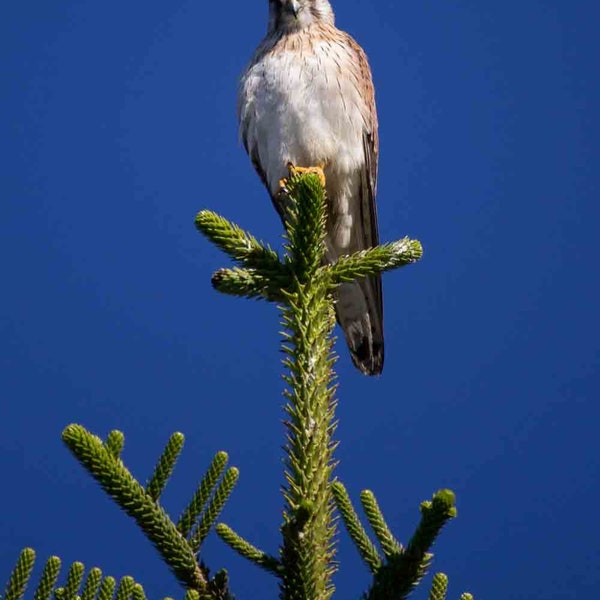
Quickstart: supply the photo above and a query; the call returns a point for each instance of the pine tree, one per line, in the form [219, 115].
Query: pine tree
[301, 284]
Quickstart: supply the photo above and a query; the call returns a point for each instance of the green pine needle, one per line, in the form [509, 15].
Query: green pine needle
[138, 592]
[214, 508]
[74, 579]
[389, 544]
[238, 244]
[115, 442]
[48, 579]
[247, 550]
[202, 494]
[357, 532]
[375, 260]
[17, 583]
[402, 573]
[116, 480]
[125, 589]
[95, 587]
[308, 531]
[250, 283]
[434, 515]
[107, 588]
[164, 467]
[305, 223]
[92, 584]
[439, 587]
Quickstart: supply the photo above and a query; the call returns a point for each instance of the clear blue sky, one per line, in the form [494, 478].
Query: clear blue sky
[118, 124]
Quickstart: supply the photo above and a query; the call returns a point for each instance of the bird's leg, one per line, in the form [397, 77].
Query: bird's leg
[318, 171]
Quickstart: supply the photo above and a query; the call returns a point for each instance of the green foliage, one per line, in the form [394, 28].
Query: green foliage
[264, 275]
[49, 578]
[74, 579]
[92, 584]
[308, 529]
[397, 570]
[382, 258]
[302, 284]
[203, 493]
[439, 587]
[96, 586]
[261, 273]
[177, 550]
[389, 544]
[366, 548]
[247, 550]
[404, 569]
[164, 467]
[20, 575]
[213, 508]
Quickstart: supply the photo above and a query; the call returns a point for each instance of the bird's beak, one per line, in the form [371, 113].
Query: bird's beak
[293, 6]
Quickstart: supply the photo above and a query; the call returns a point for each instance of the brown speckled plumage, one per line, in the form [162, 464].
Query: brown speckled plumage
[307, 98]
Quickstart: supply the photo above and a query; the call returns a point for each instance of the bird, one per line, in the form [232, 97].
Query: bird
[307, 99]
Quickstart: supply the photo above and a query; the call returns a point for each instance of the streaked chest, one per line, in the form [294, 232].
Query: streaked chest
[304, 100]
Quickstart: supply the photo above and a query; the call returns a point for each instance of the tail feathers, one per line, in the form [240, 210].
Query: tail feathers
[360, 314]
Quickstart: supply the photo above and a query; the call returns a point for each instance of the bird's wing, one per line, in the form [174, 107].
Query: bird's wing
[359, 304]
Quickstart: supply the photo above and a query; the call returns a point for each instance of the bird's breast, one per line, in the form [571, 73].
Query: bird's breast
[303, 107]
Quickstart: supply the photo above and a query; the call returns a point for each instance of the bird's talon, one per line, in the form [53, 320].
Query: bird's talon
[318, 171]
[283, 189]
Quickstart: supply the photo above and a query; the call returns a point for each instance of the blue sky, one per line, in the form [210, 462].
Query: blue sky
[118, 125]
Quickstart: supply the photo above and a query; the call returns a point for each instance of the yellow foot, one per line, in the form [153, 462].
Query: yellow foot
[318, 171]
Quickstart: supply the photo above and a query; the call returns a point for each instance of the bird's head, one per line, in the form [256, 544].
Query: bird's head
[293, 15]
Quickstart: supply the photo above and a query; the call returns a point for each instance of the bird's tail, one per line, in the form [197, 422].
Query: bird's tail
[359, 310]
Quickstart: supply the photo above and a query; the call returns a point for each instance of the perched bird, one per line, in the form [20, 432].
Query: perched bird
[307, 98]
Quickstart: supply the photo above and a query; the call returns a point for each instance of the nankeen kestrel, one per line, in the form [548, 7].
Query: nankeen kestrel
[307, 99]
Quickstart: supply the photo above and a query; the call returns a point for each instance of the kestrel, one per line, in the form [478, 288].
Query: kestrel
[307, 98]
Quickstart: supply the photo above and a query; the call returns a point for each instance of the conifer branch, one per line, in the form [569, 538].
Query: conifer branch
[138, 592]
[107, 588]
[435, 513]
[303, 285]
[114, 443]
[249, 283]
[48, 579]
[20, 575]
[164, 467]
[125, 589]
[308, 531]
[354, 527]
[92, 584]
[74, 579]
[214, 508]
[238, 244]
[466, 596]
[375, 260]
[219, 586]
[95, 587]
[389, 544]
[402, 572]
[202, 494]
[116, 480]
[247, 550]
[439, 587]
[306, 217]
